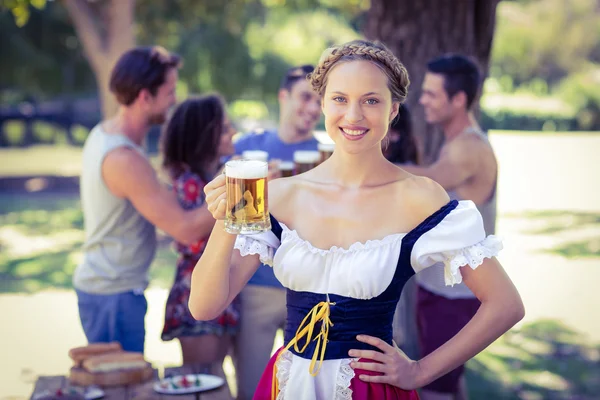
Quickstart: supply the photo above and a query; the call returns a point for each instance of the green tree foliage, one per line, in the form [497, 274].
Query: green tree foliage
[239, 48]
[42, 58]
[582, 91]
[551, 47]
[545, 39]
[20, 9]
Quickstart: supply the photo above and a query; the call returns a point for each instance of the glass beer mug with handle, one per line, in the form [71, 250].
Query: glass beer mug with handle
[247, 197]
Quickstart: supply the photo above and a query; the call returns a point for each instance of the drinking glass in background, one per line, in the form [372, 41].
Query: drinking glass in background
[255, 155]
[325, 150]
[286, 168]
[305, 160]
[247, 197]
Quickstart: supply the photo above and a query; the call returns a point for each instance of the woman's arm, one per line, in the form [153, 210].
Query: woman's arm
[220, 275]
[501, 308]
[222, 272]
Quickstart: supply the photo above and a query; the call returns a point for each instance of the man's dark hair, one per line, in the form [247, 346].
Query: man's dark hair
[141, 68]
[460, 75]
[191, 137]
[294, 75]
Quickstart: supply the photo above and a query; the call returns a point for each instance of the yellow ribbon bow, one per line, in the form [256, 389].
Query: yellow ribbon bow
[318, 313]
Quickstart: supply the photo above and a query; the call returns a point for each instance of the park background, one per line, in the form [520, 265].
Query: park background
[540, 105]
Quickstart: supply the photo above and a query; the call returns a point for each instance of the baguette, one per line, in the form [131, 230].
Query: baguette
[115, 361]
[80, 354]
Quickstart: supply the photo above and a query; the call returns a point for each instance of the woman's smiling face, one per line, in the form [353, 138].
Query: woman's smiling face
[358, 106]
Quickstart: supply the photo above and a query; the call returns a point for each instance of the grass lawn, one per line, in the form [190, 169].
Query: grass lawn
[542, 360]
[41, 236]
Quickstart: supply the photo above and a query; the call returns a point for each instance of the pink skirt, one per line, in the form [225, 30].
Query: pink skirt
[360, 390]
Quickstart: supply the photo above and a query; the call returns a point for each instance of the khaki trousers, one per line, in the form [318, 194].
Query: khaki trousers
[263, 311]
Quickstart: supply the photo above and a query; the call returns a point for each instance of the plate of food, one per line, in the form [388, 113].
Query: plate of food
[71, 393]
[190, 383]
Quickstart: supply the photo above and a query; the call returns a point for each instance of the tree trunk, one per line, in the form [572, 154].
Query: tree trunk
[417, 31]
[106, 30]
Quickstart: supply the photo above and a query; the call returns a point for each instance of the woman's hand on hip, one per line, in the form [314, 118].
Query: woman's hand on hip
[391, 364]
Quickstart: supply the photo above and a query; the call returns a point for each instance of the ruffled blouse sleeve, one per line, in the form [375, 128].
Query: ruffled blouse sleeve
[264, 244]
[457, 240]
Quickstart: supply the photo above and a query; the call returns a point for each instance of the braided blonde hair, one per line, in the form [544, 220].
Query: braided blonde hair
[356, 50]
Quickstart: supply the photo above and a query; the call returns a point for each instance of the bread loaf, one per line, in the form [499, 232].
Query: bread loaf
[79, 354]
[114, 361]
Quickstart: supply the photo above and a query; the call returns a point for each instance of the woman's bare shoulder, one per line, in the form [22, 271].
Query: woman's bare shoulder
[281, 191]
[423, 195]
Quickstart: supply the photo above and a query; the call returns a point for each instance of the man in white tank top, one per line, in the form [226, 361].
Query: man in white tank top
[467, 169]
[123, 201]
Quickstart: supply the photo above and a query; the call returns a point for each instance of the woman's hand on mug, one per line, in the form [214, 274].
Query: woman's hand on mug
[216, 197]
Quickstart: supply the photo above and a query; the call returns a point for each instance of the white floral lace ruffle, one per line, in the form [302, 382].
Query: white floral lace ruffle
[472, 256]
[248, 246]
[342, 384]
[284, 365]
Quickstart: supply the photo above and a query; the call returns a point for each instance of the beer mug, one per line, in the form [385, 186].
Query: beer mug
[286, 168]
[325, 150]
[305, 160]
[247, 197]
[255, 155]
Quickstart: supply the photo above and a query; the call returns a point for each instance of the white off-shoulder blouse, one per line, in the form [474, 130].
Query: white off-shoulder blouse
[453, 236]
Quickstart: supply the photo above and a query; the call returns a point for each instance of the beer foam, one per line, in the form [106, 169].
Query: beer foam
[326, 147]
[307, 156]
[246, 169]
[255, 155]
[286, 165]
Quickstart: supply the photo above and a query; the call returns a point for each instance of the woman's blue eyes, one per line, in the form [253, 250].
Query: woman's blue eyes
[370, 102]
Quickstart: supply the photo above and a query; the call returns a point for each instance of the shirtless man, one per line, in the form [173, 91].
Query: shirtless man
[467, 169]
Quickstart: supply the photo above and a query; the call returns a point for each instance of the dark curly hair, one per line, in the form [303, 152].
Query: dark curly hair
[404, 150]
[192, 135]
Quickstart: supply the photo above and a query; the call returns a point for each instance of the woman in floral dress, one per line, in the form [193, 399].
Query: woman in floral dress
[194, 140]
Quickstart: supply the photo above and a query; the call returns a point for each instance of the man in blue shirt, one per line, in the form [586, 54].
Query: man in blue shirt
[263, 299]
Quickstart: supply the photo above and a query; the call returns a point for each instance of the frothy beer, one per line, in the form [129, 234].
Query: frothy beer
[305, 160]
[247, 197]
[286, 168]
[325, 150]
[255, 155]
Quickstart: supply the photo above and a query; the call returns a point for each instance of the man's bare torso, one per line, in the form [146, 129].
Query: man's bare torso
[481, 185]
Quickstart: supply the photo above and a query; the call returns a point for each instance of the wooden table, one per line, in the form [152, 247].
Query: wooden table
[142, 391]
